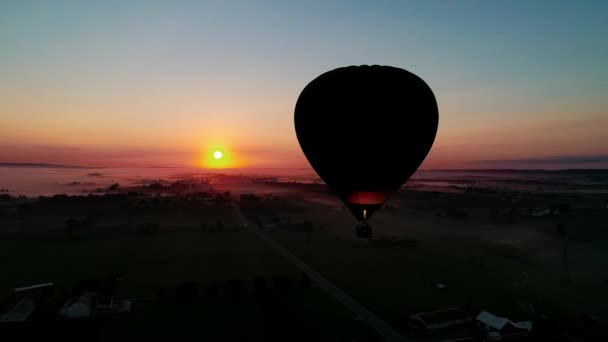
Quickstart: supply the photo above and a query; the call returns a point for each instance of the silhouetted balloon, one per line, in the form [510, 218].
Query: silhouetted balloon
[365, 130]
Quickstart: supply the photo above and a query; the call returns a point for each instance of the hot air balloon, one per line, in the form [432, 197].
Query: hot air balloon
[365, 130]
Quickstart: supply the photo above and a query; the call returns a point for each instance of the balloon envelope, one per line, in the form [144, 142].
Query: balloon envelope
[365, 130]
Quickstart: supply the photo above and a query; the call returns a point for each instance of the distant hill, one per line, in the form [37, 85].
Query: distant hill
[551, 171]
[40, 165]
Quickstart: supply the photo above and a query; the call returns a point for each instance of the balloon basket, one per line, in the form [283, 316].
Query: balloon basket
[363, 231]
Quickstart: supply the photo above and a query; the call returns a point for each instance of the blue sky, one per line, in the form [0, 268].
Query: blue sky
[514, 79]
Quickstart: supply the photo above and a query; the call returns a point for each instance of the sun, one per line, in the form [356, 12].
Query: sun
[218, 156]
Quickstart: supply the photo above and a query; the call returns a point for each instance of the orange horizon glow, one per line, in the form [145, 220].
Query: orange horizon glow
[156, 86]
[219, 156]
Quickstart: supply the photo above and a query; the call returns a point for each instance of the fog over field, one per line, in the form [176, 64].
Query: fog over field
[485, 240]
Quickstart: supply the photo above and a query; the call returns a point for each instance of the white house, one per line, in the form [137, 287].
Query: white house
[19, 312]
[33, 287]
[79, 307]
[499, 328]
[441, 319]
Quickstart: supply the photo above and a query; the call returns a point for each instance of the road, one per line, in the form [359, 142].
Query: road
[359, 310]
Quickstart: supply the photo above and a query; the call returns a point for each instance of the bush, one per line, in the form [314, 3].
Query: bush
[457, 214]
[162, 296]
[219, 226]
[260, 288]
[283, 285]
[236, 288]
[187, 292]
[304, 282]
[148, 228]
[560, 229]
[212, 290]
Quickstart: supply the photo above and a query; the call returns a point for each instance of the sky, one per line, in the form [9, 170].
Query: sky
[519, 84]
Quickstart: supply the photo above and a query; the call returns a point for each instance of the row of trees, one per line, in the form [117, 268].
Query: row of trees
[190, 291]
[73, 227]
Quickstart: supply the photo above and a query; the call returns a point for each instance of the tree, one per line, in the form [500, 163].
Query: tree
[561, 232]
[212, 290]
[71, 228]
[22, 213]
[187, 292]
[260, 288]
[304, 282]
[236, 288]
[219, 225]
[149, 228]
[494, 213]
[130, 215]
[162, 296]
[282, 285]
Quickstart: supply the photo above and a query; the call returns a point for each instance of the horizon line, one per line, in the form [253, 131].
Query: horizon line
[50, 165]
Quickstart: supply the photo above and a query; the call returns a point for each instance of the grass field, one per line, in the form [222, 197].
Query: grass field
[302, 316]
[509, 264]
[511, 268]
[181, 251]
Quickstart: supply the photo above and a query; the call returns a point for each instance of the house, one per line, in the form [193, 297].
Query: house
[82, 306]
[20, 312]
[500, 328]
[540, 213]
[34, 287]
[441, 319]
[25, 301]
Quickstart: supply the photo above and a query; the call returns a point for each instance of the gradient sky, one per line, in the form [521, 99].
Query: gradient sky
[519, 84]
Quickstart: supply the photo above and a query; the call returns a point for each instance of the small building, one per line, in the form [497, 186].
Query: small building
[36, 287]
[540, 213]
[19, 312]
[441, 319]
[24, 301]
[82, 306]
[500, 328]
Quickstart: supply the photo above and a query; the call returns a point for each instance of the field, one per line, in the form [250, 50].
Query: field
[430, 250]
[426, 255]
[205, 246]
